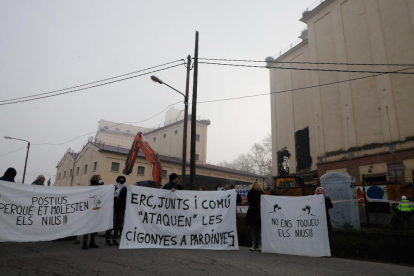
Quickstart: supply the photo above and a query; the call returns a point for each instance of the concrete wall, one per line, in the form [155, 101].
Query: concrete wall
[347, 114]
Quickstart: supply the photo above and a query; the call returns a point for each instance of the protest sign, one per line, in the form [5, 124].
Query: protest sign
[182, 219]
[40, 213]
[295, 225]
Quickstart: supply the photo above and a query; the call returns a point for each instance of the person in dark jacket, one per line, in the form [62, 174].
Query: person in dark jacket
[40, 181]
[94, 181]
[119, 210]
[172, 185]
[9, 175]
[328, 205]
[253, 216]
[227, 186]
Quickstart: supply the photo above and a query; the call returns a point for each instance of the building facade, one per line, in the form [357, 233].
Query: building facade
[346, 121]
[76, 169]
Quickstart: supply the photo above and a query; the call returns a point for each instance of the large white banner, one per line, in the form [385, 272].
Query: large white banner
[41, 213]
[295, 225]
[182, 219]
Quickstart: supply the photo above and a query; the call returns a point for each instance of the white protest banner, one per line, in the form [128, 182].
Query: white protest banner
[294, 225]
[182, 219]
[41, 213]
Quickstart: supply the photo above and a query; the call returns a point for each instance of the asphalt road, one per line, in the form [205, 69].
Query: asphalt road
[66, 258]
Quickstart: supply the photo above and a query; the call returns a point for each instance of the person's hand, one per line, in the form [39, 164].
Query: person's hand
[237, 190]
[173, 189]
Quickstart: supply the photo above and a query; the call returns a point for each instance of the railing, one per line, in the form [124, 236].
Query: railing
[177, 119]
[312, 7]
[287, 48]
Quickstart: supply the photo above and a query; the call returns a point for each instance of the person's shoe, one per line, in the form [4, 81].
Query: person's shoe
[84, 246]
[115, 242]
[259, 249]
[93, 245]
[108, 242]
[252, 248]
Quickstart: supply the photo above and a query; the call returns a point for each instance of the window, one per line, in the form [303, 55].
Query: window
[197, 137]
[164, 136]
[64, 174]
[128, 131]
[288, 184]
[59, 176]
[95, 164]
[105, 127]
[175, 132]
[117, 129]
[141, 170]
[70, 173]
[164, 174]
[154, 139]
[197, 156]
[86, 169]
[115, 167]
[77, 171]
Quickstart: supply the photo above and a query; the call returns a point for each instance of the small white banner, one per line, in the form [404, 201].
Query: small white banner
[295, 225]
[41, 213]
[182, 219]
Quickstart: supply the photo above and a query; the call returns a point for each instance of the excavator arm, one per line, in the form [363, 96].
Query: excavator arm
[141, 144]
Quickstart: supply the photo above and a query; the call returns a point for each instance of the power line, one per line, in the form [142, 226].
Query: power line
[302, 88]
[89, 87]
[58, 144]
[12, 151]
[307, 62]
[55, 91]
[305, 69]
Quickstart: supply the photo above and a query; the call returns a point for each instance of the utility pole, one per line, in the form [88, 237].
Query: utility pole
[193, 116]
[187, 87]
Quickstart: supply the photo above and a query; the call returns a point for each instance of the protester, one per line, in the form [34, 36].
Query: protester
[119, 211]
[40, 180]
[94, 181]
[253, 216]
[227, 186]
[202, 188]
[172, 185]
[328, 205]
[9, 175]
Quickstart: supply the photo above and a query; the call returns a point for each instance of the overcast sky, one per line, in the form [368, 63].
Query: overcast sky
[50, 45]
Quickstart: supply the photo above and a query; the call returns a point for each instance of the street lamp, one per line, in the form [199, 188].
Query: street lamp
[27, 154]
[184, 156]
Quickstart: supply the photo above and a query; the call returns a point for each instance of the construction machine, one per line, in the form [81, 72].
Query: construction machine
[141, 144]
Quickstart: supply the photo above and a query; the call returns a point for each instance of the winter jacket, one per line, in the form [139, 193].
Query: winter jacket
[38, 182]
[253, 213]
[120, 202]
[328, 205]
[9, 175]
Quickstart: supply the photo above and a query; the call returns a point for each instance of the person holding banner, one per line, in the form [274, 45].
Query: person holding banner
[120, 196]
[94, 181]
[9, 175]
[253, 216]
[172, 185]
[227, 186]
[40, 181]
[328, 205]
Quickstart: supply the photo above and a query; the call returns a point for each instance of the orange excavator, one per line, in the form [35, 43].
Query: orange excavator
[150, 155]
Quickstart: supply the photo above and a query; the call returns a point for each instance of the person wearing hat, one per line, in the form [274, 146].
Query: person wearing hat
[9, 175]
[120, 195]
[172, 185]
[405, 209]
[328, 205]
[40, 181]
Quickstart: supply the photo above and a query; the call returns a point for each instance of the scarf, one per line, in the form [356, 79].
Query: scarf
[118, 188]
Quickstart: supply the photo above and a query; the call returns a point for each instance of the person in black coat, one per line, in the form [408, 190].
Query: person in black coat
[94, 181]
[253, 216]
[9, 175]
[119, 210]
[328, 205]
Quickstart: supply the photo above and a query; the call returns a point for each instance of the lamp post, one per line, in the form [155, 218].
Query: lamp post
[27, 154]
[184, 154]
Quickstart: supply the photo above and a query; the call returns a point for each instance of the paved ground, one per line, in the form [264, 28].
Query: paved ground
[66, 258]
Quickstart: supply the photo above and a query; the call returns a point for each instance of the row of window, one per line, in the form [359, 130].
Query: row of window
[117, 129]
[141, 170]
[175, 133]
[85, 170]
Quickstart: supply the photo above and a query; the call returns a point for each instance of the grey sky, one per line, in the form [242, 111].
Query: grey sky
[50, 45]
